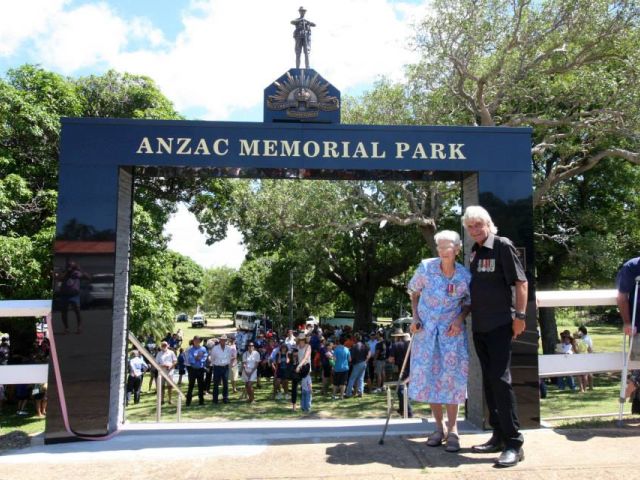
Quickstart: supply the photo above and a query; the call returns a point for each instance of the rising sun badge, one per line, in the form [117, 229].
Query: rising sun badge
[302, 96]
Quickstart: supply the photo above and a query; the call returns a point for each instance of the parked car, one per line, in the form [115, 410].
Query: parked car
[245, 320]
[182, 317]
[198, 320]
[98, 290]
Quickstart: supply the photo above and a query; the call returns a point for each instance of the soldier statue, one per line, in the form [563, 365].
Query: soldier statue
[302, 36]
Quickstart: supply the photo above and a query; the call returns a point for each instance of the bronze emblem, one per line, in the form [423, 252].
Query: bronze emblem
[302, 96]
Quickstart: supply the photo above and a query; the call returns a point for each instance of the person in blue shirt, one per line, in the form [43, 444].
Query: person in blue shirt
[628, 277]
[196, 359]
[342, 357]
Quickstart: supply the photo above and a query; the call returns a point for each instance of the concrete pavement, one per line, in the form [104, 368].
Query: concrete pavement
[322, 449]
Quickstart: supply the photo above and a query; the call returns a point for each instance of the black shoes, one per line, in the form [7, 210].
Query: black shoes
[510, 457]
[491, 446]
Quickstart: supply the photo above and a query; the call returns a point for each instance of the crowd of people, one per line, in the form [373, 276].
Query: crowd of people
[345, 363]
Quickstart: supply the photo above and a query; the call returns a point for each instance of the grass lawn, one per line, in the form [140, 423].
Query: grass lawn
[264, 407]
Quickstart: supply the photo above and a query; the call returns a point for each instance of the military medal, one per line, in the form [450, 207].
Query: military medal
[451, 289]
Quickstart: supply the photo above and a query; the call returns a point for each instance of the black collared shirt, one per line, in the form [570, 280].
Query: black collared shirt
[495, 267]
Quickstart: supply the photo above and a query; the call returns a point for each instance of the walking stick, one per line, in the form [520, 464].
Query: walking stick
[390, 408]
[627, 354]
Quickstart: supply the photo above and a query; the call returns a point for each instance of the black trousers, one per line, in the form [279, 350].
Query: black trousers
[195, 375]
[221, 374]
[207, 378]
[494, 352]
[134, 385]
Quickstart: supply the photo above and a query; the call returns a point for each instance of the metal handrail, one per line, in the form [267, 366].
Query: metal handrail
[161, 374]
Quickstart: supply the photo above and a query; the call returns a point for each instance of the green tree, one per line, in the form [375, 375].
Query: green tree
[216, 286]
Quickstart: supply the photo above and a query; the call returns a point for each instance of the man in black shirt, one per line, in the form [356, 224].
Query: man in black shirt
[495, 269]
[397, 353]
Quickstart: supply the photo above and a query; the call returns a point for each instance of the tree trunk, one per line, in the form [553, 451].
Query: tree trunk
[363, 307]
[548, 330]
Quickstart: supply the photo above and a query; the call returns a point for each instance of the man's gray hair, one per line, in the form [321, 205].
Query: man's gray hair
[449, 236]
[476, 212]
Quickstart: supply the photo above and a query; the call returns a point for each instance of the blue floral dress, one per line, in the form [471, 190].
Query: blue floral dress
[439, 364]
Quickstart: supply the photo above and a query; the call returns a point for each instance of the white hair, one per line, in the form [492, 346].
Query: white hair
[476, 212]
[449, 236]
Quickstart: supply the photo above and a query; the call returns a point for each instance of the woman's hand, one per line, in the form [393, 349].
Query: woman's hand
[454, 329]
[415, 326]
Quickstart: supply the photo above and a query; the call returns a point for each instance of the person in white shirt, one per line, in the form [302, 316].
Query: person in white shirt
[250, 361]
[221, 359]
[167, 360]
[290, 341]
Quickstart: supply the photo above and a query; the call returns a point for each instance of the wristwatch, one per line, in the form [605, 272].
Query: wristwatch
[521, 315]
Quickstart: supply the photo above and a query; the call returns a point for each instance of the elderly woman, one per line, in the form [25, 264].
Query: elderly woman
[439, 355]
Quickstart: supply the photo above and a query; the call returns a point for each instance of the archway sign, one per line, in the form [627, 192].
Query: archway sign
[301, 137]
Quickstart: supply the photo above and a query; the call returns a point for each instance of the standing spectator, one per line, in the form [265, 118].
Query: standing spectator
[196, 361]
[326, 358]
[380, 361]
[290, 341]
[4, 351]
[568, 347]
[439, 293]
[397, 353]
[221, 359]
[233, 366]
[584, 345]
[167, 360]
[137, 367]
[182, 365]
[370, 376]
[496, 321]
[342, 358]
[22, 395]
[250, 361]
[280, 366]
[302, 362]
[208, 375]
[39, 393]
[359, 358]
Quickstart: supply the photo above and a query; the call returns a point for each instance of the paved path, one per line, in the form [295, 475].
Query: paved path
[310, 451]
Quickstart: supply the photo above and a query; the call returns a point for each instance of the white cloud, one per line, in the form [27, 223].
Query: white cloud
[83, 37]
[24, 19]
[227, 51]
[187, 239]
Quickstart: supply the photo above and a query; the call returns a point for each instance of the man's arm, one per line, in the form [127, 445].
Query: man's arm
[623, 305]
[519, 325]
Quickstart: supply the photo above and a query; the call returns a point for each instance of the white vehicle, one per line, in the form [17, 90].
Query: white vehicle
[245, 320]
[198, 320]
[311, 323]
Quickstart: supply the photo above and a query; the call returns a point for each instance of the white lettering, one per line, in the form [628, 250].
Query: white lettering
[437, 151]
[455, 151]
[374, 152]
[361, 151]
[216, 147]
[145, 146]
[202, 148]
[345, 149]
[290, 149]
[164, 145]
[330, 150]
[249, 150]
[306, 148]
[270, 148]
[183, 143]
[419, 152]
[401, 148]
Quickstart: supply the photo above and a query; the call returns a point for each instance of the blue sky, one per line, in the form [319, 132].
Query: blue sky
[212, 58]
